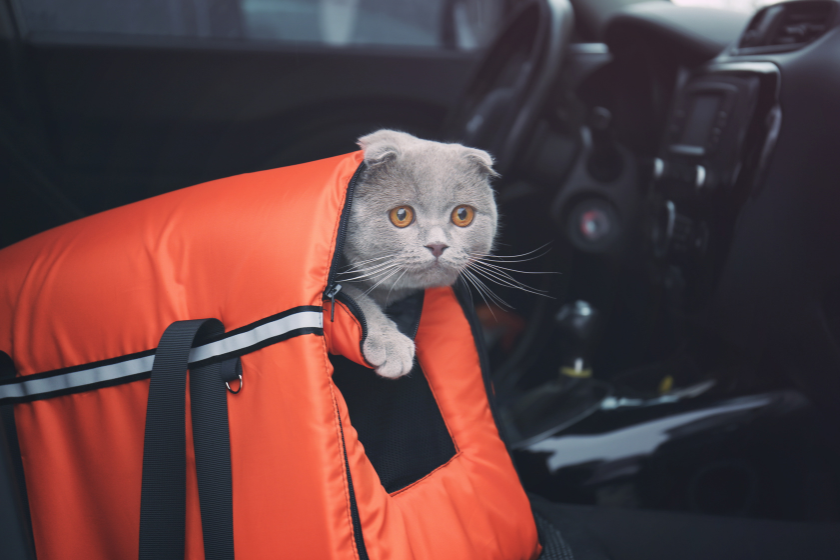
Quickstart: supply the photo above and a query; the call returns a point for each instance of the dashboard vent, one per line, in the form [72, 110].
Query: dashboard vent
[788, 26]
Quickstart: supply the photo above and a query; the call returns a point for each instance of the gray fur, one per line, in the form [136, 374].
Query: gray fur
[386, 263]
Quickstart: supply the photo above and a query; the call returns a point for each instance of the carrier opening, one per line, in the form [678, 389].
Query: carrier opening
[398, 420]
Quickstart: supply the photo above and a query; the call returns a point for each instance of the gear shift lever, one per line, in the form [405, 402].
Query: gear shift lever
[580, 324]
[571, 396]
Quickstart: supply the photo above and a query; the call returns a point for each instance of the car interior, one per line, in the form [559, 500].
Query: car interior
[663, 331]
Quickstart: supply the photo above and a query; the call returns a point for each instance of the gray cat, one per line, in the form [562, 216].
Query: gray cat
[422, 212]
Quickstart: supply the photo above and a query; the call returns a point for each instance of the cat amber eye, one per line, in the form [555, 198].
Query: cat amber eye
[402, 216]
[463, 215]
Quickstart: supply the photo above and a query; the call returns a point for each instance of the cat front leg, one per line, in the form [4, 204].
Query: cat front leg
[389, 351]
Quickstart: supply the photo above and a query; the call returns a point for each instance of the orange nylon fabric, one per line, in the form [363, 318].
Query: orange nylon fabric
[343, 333]
[240, 249]
[475, 499]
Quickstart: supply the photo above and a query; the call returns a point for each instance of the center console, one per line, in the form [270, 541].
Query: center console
[720, 133]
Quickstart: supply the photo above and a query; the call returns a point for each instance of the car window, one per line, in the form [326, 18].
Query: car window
[461, 24]
[747, 6]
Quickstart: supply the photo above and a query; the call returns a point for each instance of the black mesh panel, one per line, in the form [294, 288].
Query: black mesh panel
[398, 422]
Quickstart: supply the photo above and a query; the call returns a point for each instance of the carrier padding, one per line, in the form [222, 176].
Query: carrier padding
[238, 249]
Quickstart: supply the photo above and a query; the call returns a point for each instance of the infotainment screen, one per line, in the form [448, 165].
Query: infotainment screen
[701, 117]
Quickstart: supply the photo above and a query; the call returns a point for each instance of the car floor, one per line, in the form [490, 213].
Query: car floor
[594, 533]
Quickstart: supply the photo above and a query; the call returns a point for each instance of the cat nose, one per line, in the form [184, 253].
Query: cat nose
[436, 248]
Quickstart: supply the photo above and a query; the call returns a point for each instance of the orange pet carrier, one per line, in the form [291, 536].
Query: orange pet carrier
[280, 442]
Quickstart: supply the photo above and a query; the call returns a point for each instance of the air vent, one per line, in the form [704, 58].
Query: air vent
[788, 26]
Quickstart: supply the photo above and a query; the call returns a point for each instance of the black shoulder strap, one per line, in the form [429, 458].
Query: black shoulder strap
[15, 522]
[211, 439]
[163, 495]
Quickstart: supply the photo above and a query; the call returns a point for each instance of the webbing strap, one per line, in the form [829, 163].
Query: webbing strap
[15, 519]
[211, 439]
[163, 494]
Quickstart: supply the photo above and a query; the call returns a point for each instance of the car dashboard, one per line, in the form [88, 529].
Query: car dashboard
[686, 165]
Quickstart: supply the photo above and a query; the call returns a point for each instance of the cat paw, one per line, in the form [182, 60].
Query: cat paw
[391, 353]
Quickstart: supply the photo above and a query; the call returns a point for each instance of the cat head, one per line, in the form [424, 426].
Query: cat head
[422, 211]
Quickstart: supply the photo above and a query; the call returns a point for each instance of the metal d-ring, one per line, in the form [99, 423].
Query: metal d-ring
[227, 384]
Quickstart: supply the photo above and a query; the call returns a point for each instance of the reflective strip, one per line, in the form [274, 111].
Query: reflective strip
[304, 319]
[235, 344]
[77, 378]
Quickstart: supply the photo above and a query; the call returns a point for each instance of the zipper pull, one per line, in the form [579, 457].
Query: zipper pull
[331, 294]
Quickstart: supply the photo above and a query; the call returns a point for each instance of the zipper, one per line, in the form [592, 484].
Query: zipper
[331, 293]
[332, 286]
[357, 312]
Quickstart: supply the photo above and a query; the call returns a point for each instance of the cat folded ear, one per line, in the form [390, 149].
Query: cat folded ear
[381, 146]
[483, 161]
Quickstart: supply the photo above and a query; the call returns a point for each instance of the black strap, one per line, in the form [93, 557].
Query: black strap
[231, 371]
[15, 520]
[211, 439]
[163, 494]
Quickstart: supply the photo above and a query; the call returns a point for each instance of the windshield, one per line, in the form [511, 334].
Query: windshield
[746, 6]
[462, 24]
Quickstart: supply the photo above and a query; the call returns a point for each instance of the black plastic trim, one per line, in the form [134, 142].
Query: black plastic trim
[358, 536]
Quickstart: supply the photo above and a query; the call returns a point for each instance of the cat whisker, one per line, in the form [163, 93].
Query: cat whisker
[470, 279]
[394, 284]
[504, 279]
[471, 282]
[487, 259]
[354, 275]
[504, 283]
[502, 268]
[482, 288]
[369, 290]
[499, 281]
[498, 267]
[501, 274]
[363, 278]
[368, 267]
[367, 273]
[371, 276]
[360, 263]
[492, 258]
[502, 258]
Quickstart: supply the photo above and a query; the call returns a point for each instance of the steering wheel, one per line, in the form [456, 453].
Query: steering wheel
[501, 104]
